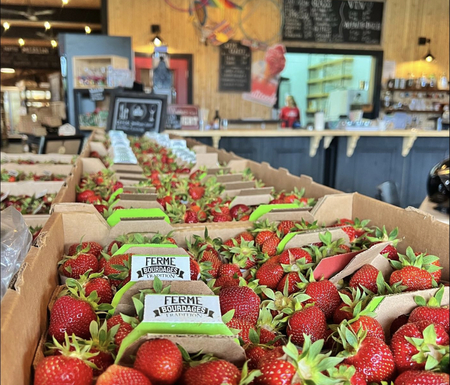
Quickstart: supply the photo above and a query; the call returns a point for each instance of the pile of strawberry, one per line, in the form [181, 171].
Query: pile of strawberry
[18, 176]
[28, 204]
[35, 231]
[31, 162]
[98, 187]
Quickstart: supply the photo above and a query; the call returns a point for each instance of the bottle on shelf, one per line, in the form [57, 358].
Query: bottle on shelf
[432, 83]
[443, 82]
[423, 81]
[411, 81]
[216, 121]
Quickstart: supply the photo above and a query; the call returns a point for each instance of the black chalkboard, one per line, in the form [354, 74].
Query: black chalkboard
[30, 57]
[235, 67]
[135, 113]
[333, 21]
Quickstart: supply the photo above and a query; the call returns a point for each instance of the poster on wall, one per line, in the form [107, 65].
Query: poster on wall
[235, 65]
[136, 113]
[266, 76]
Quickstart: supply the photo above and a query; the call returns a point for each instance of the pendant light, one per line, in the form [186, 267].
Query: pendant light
[428, 57]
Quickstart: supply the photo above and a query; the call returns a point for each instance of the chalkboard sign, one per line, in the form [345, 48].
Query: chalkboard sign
[135, 113]
[96, 94]
[333, 21]
[30, 57]
[235, 67]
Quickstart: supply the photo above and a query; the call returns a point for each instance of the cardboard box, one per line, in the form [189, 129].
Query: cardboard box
[54, 158]
[39, 169]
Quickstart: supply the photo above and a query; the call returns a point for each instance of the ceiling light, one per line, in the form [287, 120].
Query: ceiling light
[7, 70]
[54, 43]
[157, 41]
[65, 2]
[428, 57]
[87, 29]
[6, 25]
[47, 25]
[21, 42]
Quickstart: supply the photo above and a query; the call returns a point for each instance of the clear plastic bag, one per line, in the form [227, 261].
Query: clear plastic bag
[16, 241]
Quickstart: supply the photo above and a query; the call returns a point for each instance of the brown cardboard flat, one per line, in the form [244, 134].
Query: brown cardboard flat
[229, 178]
[200, 149]
[139, 190]
[223, 347]
[238, 185]
[36, 220]
[137, 204]
[30, 187]
[308, 237]
[125, 305]
[205, 160]
[131, 177]
[127, 168]
[253, 197]
[396, 305]
[215, 170]
[368, 257]
[40, 158]
[39, 169]
[99, 147]
[279, 215]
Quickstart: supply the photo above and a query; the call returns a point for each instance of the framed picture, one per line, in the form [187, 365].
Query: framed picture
[55, 144]
[182, 117]
[135, 113]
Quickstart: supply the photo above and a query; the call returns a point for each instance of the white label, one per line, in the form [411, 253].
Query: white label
[66, 130]
[13, 172]
[37, 209]
[165, 267]
[178, 308]
[41, 194]
[47, 173]
[4, 196]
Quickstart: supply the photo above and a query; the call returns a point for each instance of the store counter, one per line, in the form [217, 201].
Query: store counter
[346, 160]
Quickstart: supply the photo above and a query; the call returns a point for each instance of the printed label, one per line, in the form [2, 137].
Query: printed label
[178, 308]
[41, 194]
[165, 267]
[13, 172]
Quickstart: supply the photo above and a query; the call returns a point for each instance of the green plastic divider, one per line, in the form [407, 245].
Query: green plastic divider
[118, 296]
[115, 193]
[117, 215]
[264, 209]
[376, 301]
[284, 242]
[124, 248]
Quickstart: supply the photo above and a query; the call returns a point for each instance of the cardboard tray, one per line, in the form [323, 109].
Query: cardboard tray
[60, 158]
[39, 169]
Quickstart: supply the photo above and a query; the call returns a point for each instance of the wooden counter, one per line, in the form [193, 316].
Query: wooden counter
[347, 160]
[409, 136]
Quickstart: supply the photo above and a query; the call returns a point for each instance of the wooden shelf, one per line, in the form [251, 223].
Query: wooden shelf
[311, 111]
[329, 79]
[92, 88]
[317, 96]
[435, 90]
[330, 63]
[390, 111]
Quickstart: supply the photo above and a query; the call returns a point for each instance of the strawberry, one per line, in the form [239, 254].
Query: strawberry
[433, 266]
[292, 279]
[351, 232]
[160, 360]
[270, 274]
[211, 257]
[72, 316]
[324, 295]
[243, 300]
[369, 324]
[263, 231]
[431, 311]
[55, 370]
[309, 321]
[238, 211]
[365, 277]
[122, 375]
[243, 254]
[422, 377]
[125, 328]
[216, 372]
[390, 252]
[262, 237]
[94, 199]
[398, 323]
[254, 353]
[190, 217]
[243, 327]
[77, 265]
[195, 269]
[414, 278]
[196, 193]
[270, 245]
[226, 281]
[416, 344]
[369, 355]
[270, 356]
[102, 287]
[84, 195]
[118, 244]
[222, 218]
[289, 256]
[117, 269]
[229, 269]
[86, 247]
[276, 372]
[285, 227]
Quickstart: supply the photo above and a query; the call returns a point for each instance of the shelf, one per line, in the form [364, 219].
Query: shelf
[435, 90]
[317, 96]
[329, 79]
[311, 111]
[389, 111]
[330, 63]
[90, 128]
[84, 88]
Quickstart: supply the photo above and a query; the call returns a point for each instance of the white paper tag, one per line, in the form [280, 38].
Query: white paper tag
[66, 130]
[13, 172]
[165, 267]
[37, 209]
[41, 194]
[178, 308]
[4, 196]
[47, 173]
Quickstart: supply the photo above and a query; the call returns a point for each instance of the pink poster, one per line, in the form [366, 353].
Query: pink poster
[266, 75]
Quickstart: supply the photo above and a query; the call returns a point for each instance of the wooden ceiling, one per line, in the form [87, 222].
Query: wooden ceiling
[95, 4]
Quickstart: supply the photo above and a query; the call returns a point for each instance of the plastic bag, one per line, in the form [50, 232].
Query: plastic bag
[16, 242]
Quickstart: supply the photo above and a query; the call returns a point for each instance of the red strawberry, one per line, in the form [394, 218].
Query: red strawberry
[324, 295]
[160, 360]
[195, 269]
[94, 199]
[369, 324]
[398, 323]
[211, 256]
[84, 195]
[216, 372]
[226, 281]
[243, 300]
[222, 218]
[270, 274]
[229, 269]
[244, 328]
[77, 265]
[269, 247]
[391, 252]
[122, 375]
[366, 277]
[238, 211]
[62, 370]
[427, 338]
[271, 356]
[310, 321]
[111, 245]
[101, 208]
[293, 278]
[275, 373]
[118, 269]
[285, 227]
[351, 232]
[87, 247]
[72, 316]
[263, 236]
[414, 278]
[197, 192]
[124, 329]
[422, 377]
[254, 353]
[190, 217]
[102, 287]
[289, 256]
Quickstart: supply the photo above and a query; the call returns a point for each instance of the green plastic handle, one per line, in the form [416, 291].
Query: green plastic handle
[284, 241]
[124, 248]
[112, 198]
[375, 302]
[118, 296]
[264, 209]
[117, 215]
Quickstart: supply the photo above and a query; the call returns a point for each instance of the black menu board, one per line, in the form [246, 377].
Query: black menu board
[30, 57]
[135, 113]
[333, 21]
[235, 67]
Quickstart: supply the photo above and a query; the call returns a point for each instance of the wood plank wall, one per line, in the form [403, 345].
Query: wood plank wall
[405, 21]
